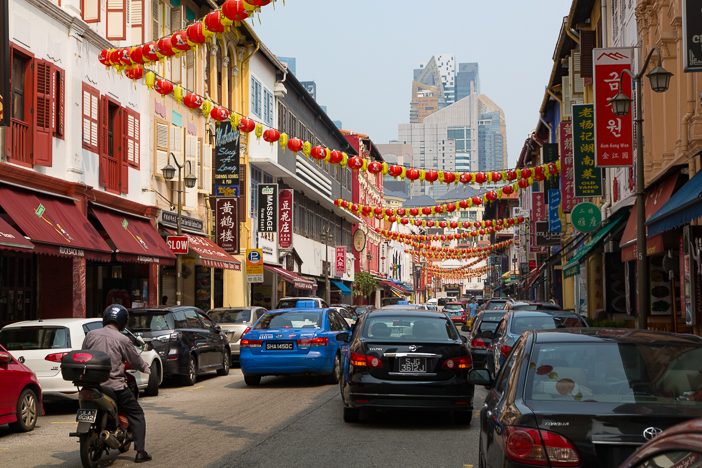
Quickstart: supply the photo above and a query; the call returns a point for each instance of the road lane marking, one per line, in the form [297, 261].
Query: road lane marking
[63, 422]
[198, 387]
[467, 466]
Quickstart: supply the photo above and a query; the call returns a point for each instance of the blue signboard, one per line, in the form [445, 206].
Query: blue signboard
[554, 204]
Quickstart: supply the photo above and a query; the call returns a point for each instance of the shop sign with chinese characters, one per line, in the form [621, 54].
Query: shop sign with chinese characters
[614, 135]
[587, 177]
[340, 263]
[568, 200]
[285, 219]
[227, 224]
[586, 217]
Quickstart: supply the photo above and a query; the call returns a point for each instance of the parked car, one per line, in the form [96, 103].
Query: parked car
[456, 312]
[188, 342]
[302, 303]
[678, 446]
[405, 307]
[407, 359]
[294, 341]
[524, 305]
[481, 335]
[234, 321]
[349, 316]
[362, 309]
[516, 322]
[587, 397]
[40, 345]
[20, 394]
[496, 303]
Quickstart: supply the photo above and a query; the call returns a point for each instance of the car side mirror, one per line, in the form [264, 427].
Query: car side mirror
[5, 358]
[464, 339]
[480, 377]
[343, 337]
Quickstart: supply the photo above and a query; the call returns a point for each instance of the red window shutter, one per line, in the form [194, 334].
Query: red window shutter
[43, 111]
[116, 20]
[104, 117]
[59, 100]
[122, 156]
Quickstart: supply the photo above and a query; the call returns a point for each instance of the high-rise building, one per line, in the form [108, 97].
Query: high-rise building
[492, 136]
[467, 79]
[291, 62]
[311, 88]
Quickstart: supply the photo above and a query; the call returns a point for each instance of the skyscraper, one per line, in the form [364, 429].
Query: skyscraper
[492, 136]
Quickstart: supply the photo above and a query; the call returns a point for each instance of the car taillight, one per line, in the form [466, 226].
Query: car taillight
[505, 350]
[55, 357]
[460, 362]
[251, 343]
[313, 342]
[539, 447]
[478, 343]
[364, 360]
[248, 329]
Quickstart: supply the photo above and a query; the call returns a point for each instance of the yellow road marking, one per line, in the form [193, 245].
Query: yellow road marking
[63, 422]
[467, 466]
[198, 387]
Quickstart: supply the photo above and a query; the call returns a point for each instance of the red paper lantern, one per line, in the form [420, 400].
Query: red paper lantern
[378, 211]
[375, 167]
[219, 113]
[526, 173]
[430, 223]
[414, 211]
[235, 10]
[135, 72]
[464, 178]
[113, 57]
[449, 177]
[395, 170]
[389, 211]
[179, 41]
[431, 176]
[337, 202]
[491, 230]
[508, 190]
[443, 236]
[335, 157]
[499, 222]
[454, 224]
[192, 101]
[412, 174]
[488, 222]
[401, 211]
[476, 224]
[124, 58]
[523, 183]
[426, 210]
[510, 221]
[164, 47]
[491, 195]
[552, 169]
[392, 218]
[366, 210]
[195, 33]
[520, 219]
[480, 178]
[213, 22]
[344, 204]
[354, 207]
[463, 204]
[318, 152]
[271, 135]
[443, 224]
[137, 55]
[148, 52]
[451, 207]
[473, 234]
[103, 57]
[247, 125]
[477, 200]
[258, 3]
[404, 221]
[163, 87]
[511, 175]
[496, 176]
[482, 232]
[295, 145]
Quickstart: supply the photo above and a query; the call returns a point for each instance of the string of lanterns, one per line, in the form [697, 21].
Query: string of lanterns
[482, 228]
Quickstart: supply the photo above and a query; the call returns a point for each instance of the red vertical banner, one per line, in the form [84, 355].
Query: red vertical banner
[285, 219]
[567, 174]
[614, 134]
[340, 260]
[227, 224]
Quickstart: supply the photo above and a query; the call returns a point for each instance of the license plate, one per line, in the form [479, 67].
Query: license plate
[86, 415]
[408, 364]
[286, 346]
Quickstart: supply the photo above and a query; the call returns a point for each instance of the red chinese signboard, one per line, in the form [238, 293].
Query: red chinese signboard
[178, 244]
[613, 134]
[340, 260]
[285, 219]
[567, 175]
[227, 224]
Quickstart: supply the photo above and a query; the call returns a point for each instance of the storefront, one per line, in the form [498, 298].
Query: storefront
[341, 293]
[287, 284]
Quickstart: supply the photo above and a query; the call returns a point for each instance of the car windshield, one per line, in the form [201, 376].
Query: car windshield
[152, 321]
[28, 338]
[492, 316]
[296, 303]
[230, 315]
[616, 373]
[453, 307]
[409, 328]
[535, 307]
[520, 324]
[290, 320]
[496, 305]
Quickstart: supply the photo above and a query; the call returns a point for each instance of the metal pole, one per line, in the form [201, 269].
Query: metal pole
[179, 231]
[327, 286]
[642, 293]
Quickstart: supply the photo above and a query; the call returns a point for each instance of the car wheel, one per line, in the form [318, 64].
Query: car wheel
[351, 415]
[252, 380]
[462, 417]
[226, 362]
[27, 411]
[154, 380]
[335, 375]
[191, 377]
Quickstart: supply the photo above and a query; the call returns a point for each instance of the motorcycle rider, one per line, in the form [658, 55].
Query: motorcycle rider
[119, 347]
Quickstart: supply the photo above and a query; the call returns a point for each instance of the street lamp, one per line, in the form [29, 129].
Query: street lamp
[169, 173]
[327, 237]
[621, 105]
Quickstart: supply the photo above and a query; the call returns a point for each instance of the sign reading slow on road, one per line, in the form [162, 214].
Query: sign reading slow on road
[178, 244]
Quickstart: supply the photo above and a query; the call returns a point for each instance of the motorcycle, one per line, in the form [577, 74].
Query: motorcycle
[101, 427]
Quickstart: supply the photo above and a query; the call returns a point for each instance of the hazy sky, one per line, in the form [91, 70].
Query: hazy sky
[361, 54]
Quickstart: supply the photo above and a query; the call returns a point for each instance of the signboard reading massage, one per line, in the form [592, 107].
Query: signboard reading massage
[614, 135]
[267, 207]
[587, 177]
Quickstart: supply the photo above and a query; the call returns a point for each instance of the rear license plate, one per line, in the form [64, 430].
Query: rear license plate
[86, 416]
[409, 365]
[286, 346]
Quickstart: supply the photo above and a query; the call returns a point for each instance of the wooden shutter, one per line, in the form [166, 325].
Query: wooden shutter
[136, 21]
[116, 20]
[43, 109]
[162, 146]
[133, 130]
[206, 168]
[587, 44]
[191, 156]
[59, 101]
[104, 116]
[91, 118]
[90, 10]
[122, 123]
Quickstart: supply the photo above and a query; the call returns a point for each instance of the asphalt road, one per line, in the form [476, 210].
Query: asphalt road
[289, 422]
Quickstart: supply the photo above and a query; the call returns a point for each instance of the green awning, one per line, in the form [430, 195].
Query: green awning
[572, 268]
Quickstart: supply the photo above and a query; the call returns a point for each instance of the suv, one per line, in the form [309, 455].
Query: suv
[456, 312]
[481, 334]
[311, 302]
[188, 341]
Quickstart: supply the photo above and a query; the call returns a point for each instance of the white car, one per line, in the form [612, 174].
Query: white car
[40, 345]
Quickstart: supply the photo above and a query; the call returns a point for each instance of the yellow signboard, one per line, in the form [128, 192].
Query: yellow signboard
[254, 265]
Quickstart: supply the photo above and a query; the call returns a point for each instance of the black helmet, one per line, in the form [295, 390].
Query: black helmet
[117, 314]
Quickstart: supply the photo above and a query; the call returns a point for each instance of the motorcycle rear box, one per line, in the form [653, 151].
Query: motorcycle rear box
[86, 367]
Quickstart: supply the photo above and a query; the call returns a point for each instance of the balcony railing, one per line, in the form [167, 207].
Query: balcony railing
[20, 143]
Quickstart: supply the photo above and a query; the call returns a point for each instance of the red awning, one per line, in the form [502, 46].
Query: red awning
[135, 239]
[210, 254]
[293, 278]
[54, 225]
[655, 199]
[395, 286]
[10, 239]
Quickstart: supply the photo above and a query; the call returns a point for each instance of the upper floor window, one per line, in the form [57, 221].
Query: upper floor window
[256, 95]
[267, 107]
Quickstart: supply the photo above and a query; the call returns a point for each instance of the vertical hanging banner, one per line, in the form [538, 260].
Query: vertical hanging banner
[587, 177]
[549, 153]
[285, 219]
[692, 36]
[554, 215]
[226, 167]
[340, 260]
[227, 224]
[5, 107]
[267, 207]
[567, 180]
[538, 206]
[614, 135]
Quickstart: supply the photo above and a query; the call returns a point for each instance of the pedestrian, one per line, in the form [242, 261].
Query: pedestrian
[164, 300]
[473, 307]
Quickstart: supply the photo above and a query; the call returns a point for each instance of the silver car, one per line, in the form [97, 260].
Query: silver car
[234, 321]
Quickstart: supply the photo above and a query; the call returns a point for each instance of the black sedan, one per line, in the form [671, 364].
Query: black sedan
[481, 335]
[587, 397]
[407, 359]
